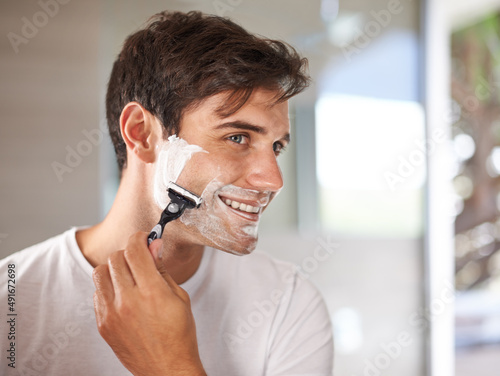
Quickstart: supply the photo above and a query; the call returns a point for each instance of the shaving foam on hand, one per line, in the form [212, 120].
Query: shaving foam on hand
[174, 155]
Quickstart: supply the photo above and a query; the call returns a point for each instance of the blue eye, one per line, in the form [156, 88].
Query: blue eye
[238, 139]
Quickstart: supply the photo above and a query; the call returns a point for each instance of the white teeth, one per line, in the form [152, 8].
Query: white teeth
[241, 206]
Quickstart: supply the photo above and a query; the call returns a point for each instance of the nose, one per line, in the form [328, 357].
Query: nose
[263, 172]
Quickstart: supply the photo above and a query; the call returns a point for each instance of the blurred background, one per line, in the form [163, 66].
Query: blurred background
[391, 203]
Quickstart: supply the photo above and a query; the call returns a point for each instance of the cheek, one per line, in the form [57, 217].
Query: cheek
[213, 225]
[197, 173]
[203, 168]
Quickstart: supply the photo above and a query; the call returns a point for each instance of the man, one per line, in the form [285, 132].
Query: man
[187, 305]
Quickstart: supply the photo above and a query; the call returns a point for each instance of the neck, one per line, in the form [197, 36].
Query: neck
[128, 215]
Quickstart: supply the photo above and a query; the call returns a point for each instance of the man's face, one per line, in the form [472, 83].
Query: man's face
[239, 175]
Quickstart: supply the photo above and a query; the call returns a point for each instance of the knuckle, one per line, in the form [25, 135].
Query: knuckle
[101, 326]
[98, 271]
[99, 274]
[104, 329]
[129, 254]
[135, 238]
[115, 257]
[150, 294]
[123, 308]
[184, 295]
[104, 322]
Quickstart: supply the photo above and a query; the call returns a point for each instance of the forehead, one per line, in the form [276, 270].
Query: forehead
[260, 109]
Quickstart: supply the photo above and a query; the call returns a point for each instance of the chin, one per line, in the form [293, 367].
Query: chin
[238, 248]
[212, 232]
[241, 251]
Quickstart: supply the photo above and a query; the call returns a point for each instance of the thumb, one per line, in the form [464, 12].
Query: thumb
[156, 249]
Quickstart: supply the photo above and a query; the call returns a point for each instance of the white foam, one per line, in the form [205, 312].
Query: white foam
[220, 229]
[172, 159]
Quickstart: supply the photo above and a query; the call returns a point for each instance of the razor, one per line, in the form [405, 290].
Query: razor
[180, 200]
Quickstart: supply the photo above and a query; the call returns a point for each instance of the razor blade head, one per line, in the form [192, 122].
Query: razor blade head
[192, 200]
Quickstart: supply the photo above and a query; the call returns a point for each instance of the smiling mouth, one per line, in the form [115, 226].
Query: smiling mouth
[245, 208]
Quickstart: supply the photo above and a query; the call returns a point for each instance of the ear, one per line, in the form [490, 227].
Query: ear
[140, 131]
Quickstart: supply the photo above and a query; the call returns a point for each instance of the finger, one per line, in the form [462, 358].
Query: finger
[155, 249]
[140, 260]
[103, 284]
[101, 312]
[178, 290]
[120, 273]
[104, 294]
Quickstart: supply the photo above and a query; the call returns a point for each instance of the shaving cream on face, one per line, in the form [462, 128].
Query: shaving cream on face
[174, 155]
[216, 222]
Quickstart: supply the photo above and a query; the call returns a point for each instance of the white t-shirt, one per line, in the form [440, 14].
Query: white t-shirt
[254, 316]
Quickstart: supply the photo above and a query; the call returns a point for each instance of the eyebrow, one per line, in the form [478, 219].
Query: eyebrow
[248, 127]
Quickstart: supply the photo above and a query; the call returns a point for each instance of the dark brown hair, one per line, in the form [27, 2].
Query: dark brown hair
[179, 59]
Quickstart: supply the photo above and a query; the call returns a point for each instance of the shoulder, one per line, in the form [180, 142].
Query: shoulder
[301, 340]
[39, 256]
[273, 299]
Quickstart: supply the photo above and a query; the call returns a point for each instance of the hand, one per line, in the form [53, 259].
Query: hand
[143, 315]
